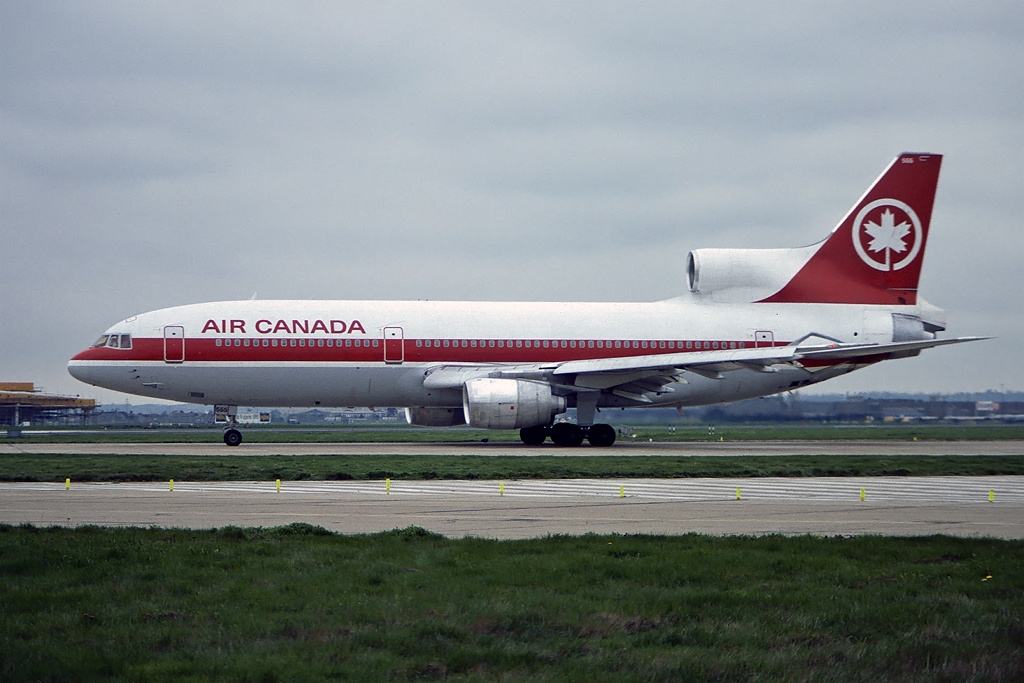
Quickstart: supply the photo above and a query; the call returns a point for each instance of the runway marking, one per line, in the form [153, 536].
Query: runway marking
[961, 490]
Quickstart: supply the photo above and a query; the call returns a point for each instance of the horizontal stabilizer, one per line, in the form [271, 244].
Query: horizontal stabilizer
[850, 352]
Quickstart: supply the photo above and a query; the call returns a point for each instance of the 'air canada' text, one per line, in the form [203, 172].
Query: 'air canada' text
[279, 326]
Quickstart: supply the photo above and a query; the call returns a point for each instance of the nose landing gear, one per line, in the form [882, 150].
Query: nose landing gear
[226, 413]
[232, 437]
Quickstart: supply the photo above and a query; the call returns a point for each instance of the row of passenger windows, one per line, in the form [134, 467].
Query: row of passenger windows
[580, 344]
[298, 342]
[483, 343]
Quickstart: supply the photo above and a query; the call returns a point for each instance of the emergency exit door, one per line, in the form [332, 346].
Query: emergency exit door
[174, 344]
[394, 345]
[764, 339]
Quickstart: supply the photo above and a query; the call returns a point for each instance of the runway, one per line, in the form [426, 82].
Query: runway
[25, 446]
[902, 506]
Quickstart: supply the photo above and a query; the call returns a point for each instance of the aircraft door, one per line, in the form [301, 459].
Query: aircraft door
[174, 344]
[394, 345]
[764, 339]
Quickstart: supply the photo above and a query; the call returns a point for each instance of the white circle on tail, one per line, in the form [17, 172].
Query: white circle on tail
[880, 233]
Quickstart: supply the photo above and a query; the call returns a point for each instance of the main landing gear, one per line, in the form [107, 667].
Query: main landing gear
[572, 435]
[569, 435]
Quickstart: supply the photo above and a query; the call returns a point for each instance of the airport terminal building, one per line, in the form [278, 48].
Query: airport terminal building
[22, 404]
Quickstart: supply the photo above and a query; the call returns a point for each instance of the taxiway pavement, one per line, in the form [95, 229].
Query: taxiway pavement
[524, 509]
[902, 506]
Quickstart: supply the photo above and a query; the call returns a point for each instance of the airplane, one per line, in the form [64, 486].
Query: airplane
[754, 322]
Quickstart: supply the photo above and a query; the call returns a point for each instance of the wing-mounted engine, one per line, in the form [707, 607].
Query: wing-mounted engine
[493, 403]
[742, 275]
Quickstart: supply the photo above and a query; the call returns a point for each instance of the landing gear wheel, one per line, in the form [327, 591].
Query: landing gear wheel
[567, 434]
[232, 437]
[601, 435]
[533, 436]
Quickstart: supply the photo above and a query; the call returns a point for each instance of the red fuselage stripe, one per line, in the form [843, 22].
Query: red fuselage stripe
[412, 350]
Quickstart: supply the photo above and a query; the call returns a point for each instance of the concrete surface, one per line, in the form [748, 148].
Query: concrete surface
[905, 506]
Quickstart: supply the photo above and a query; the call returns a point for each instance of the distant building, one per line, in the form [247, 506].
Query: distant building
[22, 404]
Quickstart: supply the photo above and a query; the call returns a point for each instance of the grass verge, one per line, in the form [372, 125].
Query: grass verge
[298, 603]
[366, 467]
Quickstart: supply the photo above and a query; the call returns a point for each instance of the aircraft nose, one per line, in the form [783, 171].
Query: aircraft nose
[79, 370]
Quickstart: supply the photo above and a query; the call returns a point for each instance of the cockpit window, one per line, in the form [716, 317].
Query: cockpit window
[114, 341]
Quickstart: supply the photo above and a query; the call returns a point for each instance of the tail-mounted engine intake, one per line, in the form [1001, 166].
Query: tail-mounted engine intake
[747, 274]
[491, 403]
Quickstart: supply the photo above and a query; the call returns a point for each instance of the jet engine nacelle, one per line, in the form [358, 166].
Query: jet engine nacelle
[431, 416]
[747, 274]
[491, 403]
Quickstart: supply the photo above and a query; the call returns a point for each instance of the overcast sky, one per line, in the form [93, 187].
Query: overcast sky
[155, 154]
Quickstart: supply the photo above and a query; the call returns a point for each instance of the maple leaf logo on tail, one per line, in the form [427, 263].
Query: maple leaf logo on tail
[886, 232]
[888, 236]
[888, 239]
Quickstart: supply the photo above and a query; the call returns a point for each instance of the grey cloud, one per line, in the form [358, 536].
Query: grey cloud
[163, 153]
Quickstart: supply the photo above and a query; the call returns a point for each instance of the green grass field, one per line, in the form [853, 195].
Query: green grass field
[79, 467]
[299, 604]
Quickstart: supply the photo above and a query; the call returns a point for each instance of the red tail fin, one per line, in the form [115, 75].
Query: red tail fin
[874, 255]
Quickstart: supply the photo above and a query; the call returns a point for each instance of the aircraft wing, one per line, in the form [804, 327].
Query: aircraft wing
[634, 376]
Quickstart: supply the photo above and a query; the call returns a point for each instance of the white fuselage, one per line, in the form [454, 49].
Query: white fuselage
[377, 353]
